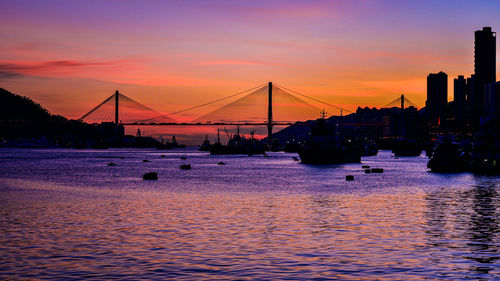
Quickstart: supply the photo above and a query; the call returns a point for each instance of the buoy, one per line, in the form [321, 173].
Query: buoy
[145, 160]
[186, 167]
[221, 163]
[111, 164]
[150, 176]
[365, 167]
[349, 178]
[162, 156]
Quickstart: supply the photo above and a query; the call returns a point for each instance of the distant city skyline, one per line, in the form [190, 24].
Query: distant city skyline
[68, 56]
[484, 67]
[473, 98]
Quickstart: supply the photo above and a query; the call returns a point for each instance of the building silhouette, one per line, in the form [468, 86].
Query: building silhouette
[492, 99]
[484, 69]
[460, 99]
[437, 97]
[470, 90]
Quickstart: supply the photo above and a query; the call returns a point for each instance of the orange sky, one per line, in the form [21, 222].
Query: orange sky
[170, 55]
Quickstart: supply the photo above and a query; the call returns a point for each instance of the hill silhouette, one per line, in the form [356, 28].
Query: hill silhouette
[25, 123]
[16, 108]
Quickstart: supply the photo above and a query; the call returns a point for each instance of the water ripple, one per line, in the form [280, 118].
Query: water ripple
[73, 217]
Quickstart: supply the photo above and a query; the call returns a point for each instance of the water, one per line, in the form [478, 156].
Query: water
[66, 214]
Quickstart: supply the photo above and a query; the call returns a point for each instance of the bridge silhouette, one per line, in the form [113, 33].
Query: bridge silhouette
[264, 105]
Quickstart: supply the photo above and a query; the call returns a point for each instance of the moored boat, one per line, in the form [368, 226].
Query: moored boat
[326, 145]
[237, 145]
[447, 157]
[406, 147]
[205, 146]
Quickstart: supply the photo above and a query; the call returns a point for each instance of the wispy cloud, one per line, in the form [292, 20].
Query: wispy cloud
[13, 69]
[7, 75]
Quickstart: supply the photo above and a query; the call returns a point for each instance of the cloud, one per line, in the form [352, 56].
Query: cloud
[7, 75]
[13, 69]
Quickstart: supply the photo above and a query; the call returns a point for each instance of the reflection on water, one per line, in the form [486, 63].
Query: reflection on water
[71, 216]
[483, 228]
[462, 227]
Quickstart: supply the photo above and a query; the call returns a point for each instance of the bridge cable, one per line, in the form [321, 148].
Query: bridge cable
[97, 115]
[410, 102]
[394, 101]
[397, 101]
[314, 99]
[137, 104]
[201, 105]
[95, 108]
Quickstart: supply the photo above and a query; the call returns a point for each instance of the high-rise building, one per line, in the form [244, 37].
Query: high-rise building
[492, 99]
[437, 96]
[484, 67]
[470, 96]
[459, 98]
[470, 89]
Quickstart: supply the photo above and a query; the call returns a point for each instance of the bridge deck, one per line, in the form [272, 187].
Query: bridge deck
[240, 124]
[205, 124]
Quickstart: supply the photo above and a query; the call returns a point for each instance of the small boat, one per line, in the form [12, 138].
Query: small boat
[237, 145]
[186, 167]
[150, 176]
[447, 157]
[326, 145]
[205, 146]
[292, 145]
[406, 147]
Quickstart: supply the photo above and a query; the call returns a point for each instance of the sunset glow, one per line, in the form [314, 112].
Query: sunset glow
[249, 140]
[170, 55]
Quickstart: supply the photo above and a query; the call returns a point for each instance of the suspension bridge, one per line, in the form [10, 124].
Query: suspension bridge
[264, 105]
[401, 102]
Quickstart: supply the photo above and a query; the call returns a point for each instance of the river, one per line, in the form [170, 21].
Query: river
[66, 214]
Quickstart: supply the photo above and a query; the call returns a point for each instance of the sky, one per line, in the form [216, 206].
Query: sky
[170, 55]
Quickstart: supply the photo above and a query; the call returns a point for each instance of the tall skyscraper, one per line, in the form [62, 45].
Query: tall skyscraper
[459, 98]
[484, 67]
[437, 96]
[492, 99]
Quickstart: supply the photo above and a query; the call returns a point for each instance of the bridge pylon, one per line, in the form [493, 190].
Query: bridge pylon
[117, 95]
[270, 113]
